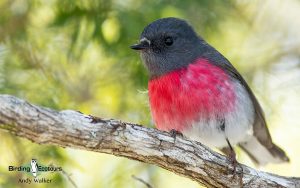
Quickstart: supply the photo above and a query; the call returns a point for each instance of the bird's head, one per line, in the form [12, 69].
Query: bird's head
[168, 44]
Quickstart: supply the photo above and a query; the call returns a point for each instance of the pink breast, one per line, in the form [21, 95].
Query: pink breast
[179, 98]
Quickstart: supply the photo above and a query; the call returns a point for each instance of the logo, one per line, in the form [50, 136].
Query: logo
[34, 167]
[35, 171]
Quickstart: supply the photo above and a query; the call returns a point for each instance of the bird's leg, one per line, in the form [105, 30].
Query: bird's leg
[232, 156]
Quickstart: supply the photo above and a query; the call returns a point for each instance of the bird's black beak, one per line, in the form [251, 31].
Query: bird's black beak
[144, 44]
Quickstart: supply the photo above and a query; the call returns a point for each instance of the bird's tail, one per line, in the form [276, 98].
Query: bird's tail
[262, 155]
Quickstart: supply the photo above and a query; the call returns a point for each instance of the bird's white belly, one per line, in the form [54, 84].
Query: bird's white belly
[238, 123]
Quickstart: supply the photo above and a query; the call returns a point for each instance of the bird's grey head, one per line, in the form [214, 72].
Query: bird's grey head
[168, 44]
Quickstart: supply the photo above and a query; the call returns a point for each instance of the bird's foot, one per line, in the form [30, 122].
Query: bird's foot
[175, 133]
[95, 119]
[233, 161]
[235, 164]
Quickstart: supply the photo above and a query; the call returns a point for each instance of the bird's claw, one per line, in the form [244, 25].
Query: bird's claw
[235, 164]
[175, 133]
[95, 119]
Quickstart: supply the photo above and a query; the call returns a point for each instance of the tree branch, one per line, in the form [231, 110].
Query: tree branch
[187, 158]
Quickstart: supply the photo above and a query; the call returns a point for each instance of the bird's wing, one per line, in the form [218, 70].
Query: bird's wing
[260, 129]
[260, 126]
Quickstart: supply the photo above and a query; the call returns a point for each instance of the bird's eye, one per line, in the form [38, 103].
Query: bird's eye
[168, 41]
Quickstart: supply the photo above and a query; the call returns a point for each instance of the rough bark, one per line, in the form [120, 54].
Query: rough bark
[184, 157]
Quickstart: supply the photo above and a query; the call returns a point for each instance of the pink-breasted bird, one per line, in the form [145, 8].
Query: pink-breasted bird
[194, 89]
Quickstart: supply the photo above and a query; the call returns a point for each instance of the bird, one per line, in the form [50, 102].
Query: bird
[195, 91]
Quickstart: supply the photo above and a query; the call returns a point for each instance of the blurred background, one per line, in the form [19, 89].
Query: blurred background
[67, 54]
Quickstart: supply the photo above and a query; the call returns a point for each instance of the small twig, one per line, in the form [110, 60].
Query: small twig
[142, 181]
[68, 177]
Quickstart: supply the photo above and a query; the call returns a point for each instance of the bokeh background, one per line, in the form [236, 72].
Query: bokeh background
[67, 54]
